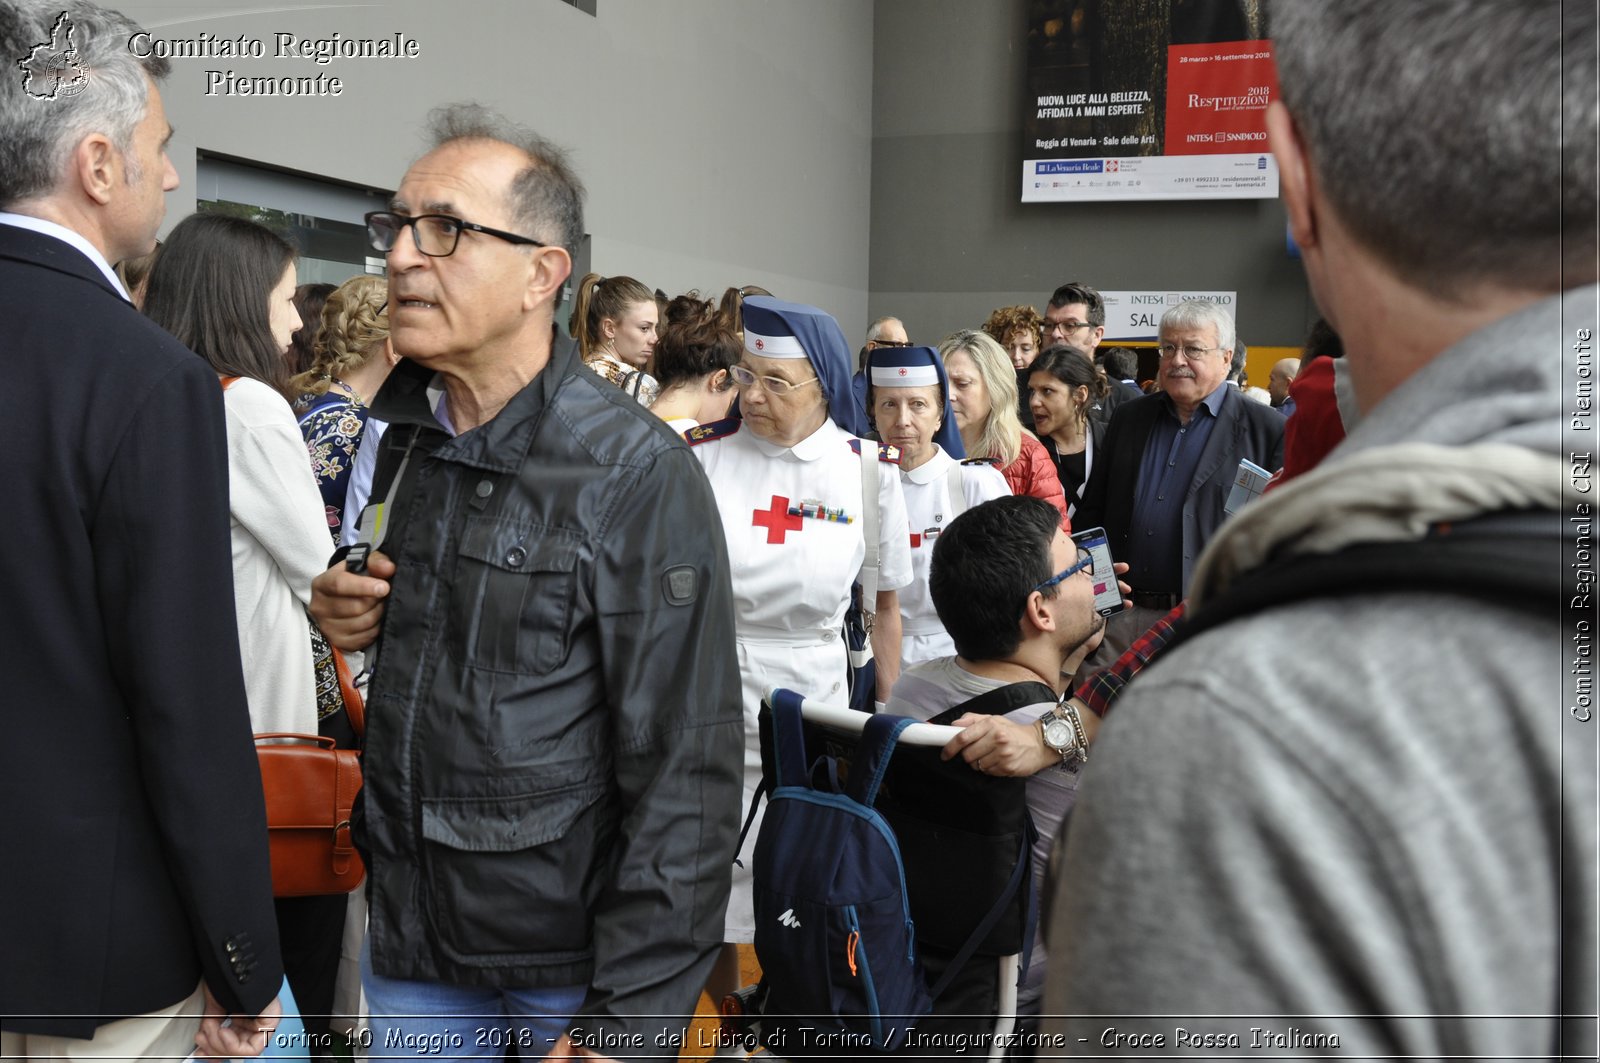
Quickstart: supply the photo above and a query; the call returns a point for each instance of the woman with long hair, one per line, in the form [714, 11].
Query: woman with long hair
[614, 321]
[1062, 387]
[225, 287]
[693, 360]
[983, 397]
[350, 361]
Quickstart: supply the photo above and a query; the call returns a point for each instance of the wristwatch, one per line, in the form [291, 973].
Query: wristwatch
[1062, 728]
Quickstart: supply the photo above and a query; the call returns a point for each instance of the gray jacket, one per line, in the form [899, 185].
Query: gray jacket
[1356, 823]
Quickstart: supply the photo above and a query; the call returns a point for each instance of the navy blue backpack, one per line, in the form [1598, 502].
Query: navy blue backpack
[834, 930]
[833, 926]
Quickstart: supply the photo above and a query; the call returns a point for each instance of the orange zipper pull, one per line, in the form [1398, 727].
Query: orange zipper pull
[850, 950]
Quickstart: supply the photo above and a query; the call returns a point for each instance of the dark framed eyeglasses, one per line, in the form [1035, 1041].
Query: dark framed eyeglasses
[1085, 561]
[1066, 326]
[436, 235]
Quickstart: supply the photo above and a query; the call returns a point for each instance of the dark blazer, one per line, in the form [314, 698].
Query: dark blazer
[131, 820]
[1244, 429]
[1117, 395]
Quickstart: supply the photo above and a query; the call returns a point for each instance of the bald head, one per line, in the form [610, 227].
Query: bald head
[1280, 379]
[886, 330]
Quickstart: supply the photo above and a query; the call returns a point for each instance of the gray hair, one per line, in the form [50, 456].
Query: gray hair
[875, 330]
[546, 199]
[1197, 313]
[38, 133]
[1454, 137]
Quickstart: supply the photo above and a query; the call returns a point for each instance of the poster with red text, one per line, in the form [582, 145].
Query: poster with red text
[1147, 99]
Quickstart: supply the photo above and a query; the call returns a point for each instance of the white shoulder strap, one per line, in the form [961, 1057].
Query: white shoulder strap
[872, 521]
[958, 494]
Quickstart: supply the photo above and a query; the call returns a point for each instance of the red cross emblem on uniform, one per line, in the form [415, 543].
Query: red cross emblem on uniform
[761, 345]
[777, 520]
[903, 371]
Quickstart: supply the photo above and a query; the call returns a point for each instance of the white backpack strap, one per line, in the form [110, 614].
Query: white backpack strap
[872, 525]
[958, 493]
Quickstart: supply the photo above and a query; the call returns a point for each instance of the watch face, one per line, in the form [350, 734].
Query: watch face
[1058, 734]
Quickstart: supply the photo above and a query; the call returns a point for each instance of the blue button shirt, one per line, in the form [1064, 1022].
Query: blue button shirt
[1171, 459]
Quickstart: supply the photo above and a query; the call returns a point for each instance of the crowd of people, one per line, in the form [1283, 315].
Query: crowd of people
[569, 568]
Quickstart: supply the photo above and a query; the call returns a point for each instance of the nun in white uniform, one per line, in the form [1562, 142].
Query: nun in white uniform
[909, 398]
[792, 480]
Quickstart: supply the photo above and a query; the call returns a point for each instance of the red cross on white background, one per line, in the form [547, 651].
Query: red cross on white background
[778, 520]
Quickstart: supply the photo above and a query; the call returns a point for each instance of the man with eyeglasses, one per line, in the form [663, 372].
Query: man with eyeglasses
[884, 332]
[1075, 317]
[1017, 598]
[1168, 464]
[548, 817]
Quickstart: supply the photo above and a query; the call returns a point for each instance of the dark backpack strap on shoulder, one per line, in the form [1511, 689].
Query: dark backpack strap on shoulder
[1000, 701]
[1508, 558]
[878, 737]
[788, 738]
[788, 755]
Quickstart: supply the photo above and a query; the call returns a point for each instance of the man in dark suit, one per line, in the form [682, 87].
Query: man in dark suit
[136, 903]
[1168, 465]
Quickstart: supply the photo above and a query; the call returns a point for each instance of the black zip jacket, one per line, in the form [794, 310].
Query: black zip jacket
[555, 738]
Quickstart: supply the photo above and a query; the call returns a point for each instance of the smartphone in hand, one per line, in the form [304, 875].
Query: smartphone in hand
[1107, 595]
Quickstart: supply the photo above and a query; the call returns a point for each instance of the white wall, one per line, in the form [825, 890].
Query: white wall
[721, 141]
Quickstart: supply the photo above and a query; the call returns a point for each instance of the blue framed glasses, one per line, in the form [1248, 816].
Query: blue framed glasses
[1084, 562]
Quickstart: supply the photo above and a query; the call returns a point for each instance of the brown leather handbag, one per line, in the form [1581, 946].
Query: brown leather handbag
[310, 787]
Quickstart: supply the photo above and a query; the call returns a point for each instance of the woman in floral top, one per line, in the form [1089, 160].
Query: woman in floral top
[352, 357]
[614, 321]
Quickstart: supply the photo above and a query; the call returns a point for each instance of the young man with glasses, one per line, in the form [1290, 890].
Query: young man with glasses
[1168, 463]
[548, 818]
[1017, 598]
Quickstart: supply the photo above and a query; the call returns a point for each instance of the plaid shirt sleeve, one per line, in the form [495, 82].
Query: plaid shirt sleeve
[1103, 688]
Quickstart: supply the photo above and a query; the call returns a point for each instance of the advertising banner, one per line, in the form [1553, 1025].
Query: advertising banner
[1137, 315]
[1147, 99]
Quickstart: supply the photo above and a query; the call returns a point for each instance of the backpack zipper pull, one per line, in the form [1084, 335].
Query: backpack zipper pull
[850, 950]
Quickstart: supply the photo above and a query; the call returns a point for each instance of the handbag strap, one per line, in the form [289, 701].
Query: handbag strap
[355, 706]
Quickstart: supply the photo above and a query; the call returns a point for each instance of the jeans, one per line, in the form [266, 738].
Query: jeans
[436, 1020]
